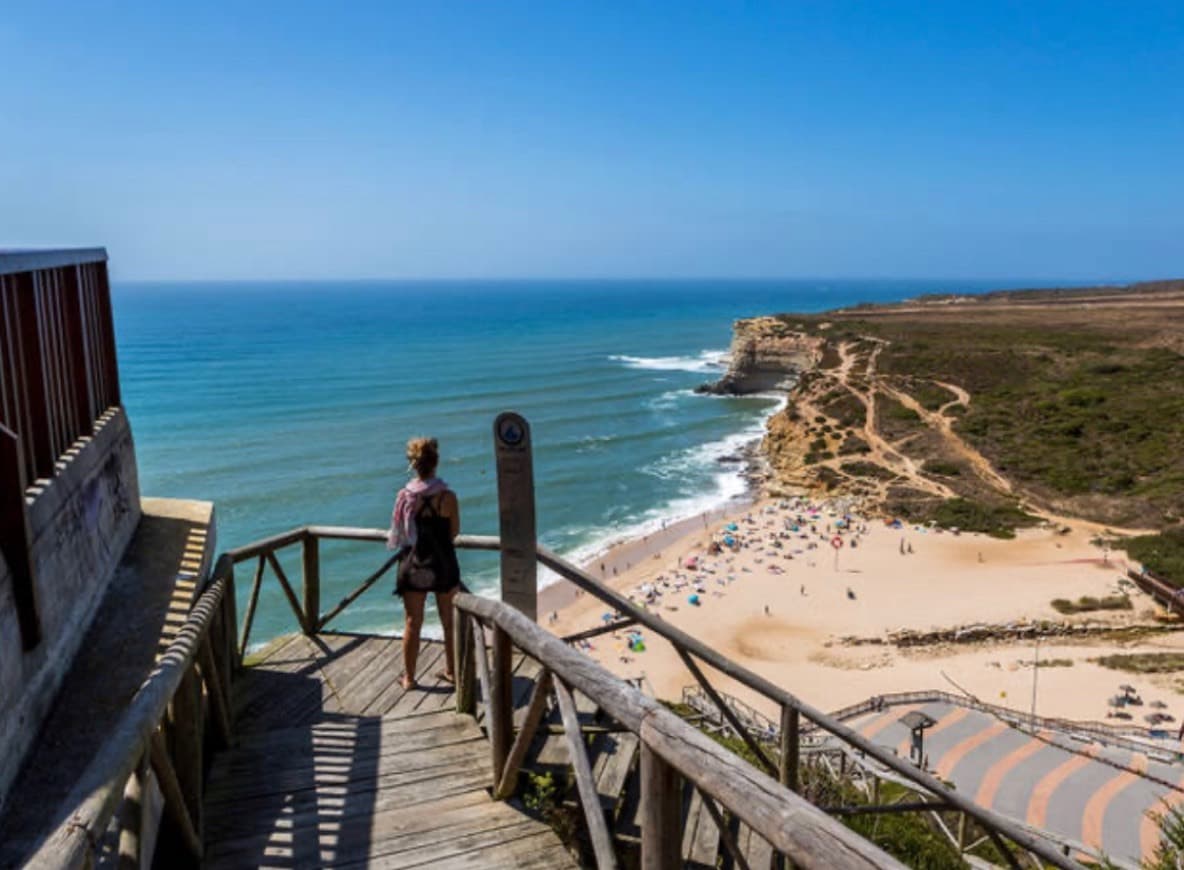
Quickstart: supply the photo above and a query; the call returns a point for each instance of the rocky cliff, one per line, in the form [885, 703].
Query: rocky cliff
[766, 354]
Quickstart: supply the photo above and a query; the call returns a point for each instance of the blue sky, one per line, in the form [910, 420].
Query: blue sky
[501, 139]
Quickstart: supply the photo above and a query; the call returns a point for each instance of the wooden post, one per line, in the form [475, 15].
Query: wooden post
[132, 815]
[187, 744]
[787, 764]
[661, 811]
[187, 850]
[515, 505]
[311, 562]
[15, 539]
[228, 658]
[252, 602]
[961, 832]
[216, 692]
[465, 666]
[501, 702]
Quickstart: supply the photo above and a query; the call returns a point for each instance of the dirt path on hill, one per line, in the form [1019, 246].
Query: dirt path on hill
[881, 451]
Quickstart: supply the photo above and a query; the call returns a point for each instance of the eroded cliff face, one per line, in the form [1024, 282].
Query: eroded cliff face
[766, 355]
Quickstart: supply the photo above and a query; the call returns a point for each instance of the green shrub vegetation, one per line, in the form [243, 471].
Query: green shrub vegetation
[1074, 404]
[1162, 554]
[967, 515]
[847, 410]
[868, 470]
[853, 444]
[1087, 604]
[941, 467]
[1143, 663]
[908, 837]
[930, 395]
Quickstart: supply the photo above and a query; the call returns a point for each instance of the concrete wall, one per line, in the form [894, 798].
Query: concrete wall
[81, 523]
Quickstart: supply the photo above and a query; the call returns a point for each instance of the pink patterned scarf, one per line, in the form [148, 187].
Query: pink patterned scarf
[402, 532]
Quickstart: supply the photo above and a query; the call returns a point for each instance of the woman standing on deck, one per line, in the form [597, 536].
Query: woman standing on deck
[424, 523]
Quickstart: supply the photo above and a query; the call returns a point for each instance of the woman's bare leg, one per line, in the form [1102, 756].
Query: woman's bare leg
[413, 604]
[444, 605]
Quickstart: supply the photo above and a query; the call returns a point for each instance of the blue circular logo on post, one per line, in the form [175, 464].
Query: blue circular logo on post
[510, 431]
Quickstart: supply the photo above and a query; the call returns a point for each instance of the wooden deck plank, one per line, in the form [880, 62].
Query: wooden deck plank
[519, 847]
[758, 852]
[352, 676]
[700, 845]
[318, 775]
[391, 755]
[289, 688]
[238, 817]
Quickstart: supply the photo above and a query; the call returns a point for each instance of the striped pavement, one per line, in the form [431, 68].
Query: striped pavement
[1071, 792]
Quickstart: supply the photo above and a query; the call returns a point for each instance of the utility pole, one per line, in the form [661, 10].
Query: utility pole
[1035, 674]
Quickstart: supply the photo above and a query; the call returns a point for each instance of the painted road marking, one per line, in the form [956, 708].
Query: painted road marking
[1038, 803]
[1149, 829]
[1000, 769]
[957, 752]
[1095, 810]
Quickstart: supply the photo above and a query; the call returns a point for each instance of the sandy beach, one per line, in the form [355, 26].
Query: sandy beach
[779, 602]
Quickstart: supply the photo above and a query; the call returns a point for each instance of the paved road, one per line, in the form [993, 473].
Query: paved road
[1072, 793]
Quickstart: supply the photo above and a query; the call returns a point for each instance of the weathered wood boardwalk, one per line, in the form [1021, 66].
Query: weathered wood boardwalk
[334, 764]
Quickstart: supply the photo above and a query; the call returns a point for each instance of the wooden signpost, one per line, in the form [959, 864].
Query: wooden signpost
[515, 504]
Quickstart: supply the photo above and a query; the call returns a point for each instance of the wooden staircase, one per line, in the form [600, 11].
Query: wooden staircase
[334, 764]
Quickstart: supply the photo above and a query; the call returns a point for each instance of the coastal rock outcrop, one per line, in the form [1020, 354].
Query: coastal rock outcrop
[766, 355]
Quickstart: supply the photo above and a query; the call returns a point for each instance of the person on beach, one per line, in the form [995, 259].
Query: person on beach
[424, 524]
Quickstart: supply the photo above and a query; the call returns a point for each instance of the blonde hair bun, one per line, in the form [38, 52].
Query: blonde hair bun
[424, 455]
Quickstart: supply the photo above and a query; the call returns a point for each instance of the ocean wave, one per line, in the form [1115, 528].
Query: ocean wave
[726, 486]
[706, 361]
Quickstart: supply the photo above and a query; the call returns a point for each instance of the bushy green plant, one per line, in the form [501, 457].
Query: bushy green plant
[1163, 554]
[998, 521]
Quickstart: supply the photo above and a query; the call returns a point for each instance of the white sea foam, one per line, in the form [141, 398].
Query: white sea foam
[707, 361]
[729, 485]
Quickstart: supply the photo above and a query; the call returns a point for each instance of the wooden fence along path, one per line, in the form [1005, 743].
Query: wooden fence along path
[322, 758]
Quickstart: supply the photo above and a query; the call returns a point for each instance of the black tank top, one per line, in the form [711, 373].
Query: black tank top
[431, 565]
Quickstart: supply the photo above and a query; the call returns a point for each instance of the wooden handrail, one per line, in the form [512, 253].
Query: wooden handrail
[97, 793]
[691, 645]
[789, 822]
[687, 645]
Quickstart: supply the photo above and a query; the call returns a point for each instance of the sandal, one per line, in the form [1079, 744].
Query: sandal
[409, 684]
[446, 677]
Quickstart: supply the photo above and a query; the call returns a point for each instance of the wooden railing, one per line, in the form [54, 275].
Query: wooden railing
[164, 730]
[58, 376]
[671, 750]
[795, 714]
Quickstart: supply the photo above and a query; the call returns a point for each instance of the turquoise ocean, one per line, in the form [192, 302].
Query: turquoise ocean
[289, 404]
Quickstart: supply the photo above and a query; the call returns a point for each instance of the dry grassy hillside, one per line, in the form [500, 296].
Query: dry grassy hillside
[972, 410]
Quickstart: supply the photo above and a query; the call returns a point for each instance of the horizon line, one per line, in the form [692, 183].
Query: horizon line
[1014, 281]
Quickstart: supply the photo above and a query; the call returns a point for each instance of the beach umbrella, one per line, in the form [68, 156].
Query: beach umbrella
[1126, 688]
[693, 599]
[731, 527]
[690, 562]
[729, 540]
[1153, 718]
[606, 617]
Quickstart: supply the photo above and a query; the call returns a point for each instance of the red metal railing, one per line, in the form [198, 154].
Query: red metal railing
[58, 375]
[57, 351]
